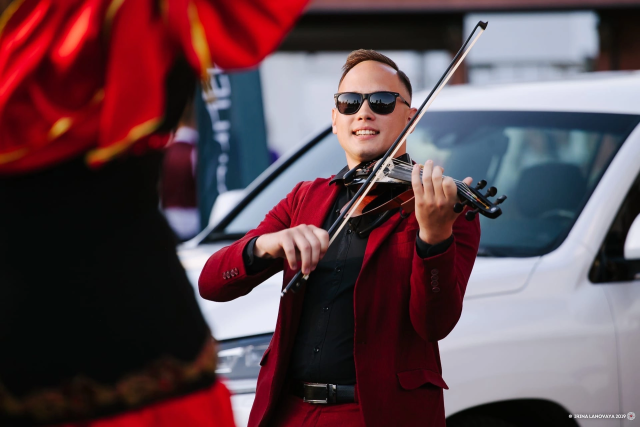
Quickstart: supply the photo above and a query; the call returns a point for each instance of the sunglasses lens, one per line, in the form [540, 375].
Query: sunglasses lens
[349, 103]
[382, 102]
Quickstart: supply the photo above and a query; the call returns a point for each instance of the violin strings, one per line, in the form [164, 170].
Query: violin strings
[461, 185]
[407, 167]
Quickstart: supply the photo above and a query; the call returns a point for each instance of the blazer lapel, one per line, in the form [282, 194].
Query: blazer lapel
[317, 202]
[378, 236]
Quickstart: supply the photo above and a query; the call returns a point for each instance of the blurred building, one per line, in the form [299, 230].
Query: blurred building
[526, 40]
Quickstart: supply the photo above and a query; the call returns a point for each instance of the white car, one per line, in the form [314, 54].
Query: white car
[550, 329]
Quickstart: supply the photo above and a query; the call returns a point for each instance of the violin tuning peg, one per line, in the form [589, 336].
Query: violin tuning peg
[471, 215]
[458, 207]
[480, 185]
[492, 191]
[501, 199]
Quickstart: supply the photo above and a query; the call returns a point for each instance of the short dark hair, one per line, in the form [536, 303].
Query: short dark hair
[361, 55]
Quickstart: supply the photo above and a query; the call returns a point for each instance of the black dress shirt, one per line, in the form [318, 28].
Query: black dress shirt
[323, 349]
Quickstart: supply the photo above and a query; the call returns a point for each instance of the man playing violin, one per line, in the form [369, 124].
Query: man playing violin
[358, 344]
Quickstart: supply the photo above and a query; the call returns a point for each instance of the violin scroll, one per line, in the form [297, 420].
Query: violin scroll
[479, 202]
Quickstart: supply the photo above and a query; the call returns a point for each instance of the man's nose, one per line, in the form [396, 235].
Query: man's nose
[365, 113]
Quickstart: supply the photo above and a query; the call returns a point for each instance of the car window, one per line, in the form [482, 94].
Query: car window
[322, 160]
[610, 264]
[547, 163]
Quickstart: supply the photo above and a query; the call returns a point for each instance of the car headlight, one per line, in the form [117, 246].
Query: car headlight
[239, 362]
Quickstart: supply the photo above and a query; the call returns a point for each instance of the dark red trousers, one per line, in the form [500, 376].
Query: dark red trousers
[293, 412]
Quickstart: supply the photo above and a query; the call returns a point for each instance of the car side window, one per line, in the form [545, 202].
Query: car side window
[610, 264]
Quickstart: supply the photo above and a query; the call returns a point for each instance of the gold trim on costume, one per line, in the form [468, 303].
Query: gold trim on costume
[8, 13]
[199, 40]
[98, 96]
[12, 156]
[59, 127]
[81, 396]
[113, 8]
[164, 10]
[101, 155]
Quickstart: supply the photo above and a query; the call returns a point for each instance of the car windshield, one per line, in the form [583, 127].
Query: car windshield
[547, 163]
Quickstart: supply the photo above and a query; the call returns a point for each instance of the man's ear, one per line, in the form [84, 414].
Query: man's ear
[412, 113]
[334, 113]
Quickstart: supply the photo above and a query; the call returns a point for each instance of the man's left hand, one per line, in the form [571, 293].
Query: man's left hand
[435, 196]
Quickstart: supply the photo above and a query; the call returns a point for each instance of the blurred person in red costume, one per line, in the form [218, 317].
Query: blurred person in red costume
[99, 325]
[178, 190]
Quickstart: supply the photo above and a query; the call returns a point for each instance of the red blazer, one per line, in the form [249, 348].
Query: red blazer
[403, 305]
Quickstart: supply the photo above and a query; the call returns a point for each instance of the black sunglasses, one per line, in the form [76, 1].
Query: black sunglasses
[379, 102]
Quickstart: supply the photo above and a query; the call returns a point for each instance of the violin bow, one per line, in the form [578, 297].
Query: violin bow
[298, 280]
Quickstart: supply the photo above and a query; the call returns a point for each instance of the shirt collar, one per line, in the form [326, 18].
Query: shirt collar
[340, 175]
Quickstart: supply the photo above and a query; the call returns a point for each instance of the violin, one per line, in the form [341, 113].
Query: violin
[382, 169]
[393, 190]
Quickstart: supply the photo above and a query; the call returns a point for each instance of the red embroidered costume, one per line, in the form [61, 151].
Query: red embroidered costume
[97, 317]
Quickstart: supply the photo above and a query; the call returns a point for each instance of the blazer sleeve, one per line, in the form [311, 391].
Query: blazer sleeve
[224, 277]
[438, 283]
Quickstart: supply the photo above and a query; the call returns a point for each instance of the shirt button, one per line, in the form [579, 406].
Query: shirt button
[316, 350]
[325, 309]
[349, 231]
[338, 270]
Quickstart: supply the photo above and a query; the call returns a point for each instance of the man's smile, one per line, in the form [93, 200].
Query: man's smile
[365, 132]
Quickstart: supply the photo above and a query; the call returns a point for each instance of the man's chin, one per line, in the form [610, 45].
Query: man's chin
[367, 157]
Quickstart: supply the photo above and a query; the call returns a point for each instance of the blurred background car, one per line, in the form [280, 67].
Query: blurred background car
[249, 119]
[550, 325]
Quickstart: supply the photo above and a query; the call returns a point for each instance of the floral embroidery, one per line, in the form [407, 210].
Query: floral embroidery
[82, 397]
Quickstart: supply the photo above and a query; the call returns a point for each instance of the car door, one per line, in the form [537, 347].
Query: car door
[620, 278]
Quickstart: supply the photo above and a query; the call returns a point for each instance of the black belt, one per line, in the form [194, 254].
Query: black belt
[324, 393]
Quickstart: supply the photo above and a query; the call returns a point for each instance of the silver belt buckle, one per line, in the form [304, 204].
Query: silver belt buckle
[317, 385]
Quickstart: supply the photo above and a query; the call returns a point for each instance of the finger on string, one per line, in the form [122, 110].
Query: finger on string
[438, 190]
[450, 189]
[416, 183]
[427, 180]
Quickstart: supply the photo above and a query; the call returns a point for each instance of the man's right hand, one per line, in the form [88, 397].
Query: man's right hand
[304, 244]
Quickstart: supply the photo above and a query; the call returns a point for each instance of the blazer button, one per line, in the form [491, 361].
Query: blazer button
[434, 272]
[434, 282]
[435, 289]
